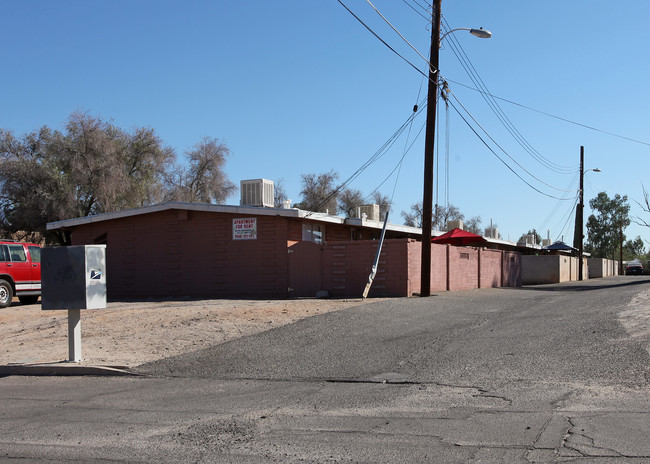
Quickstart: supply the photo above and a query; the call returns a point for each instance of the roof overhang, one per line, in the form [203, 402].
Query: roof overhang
[229, 209]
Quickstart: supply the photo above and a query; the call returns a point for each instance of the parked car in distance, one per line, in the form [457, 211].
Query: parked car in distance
[20, 272]
[634, 268]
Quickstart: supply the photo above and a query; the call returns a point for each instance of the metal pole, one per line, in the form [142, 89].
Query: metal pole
[427, 197]
[375, 264]
[74, 335]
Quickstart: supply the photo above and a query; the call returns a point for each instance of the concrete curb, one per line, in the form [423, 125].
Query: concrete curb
[61, 369]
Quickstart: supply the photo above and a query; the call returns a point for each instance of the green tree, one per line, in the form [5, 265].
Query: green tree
[94, 167]
[634, 249]
[538, 238]
[605, 228]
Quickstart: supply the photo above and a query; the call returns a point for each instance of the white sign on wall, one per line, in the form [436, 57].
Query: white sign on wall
[244, 229]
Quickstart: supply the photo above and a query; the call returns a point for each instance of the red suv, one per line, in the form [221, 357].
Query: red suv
[20, 272]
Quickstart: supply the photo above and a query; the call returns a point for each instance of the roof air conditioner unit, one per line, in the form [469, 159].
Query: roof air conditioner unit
[371, 212]
[257, 192]
[457, 224]
[492, 232]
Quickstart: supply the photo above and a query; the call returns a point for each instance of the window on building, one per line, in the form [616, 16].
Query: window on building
[313, 233]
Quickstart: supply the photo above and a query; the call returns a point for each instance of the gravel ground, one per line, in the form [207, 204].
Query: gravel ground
[127, 334]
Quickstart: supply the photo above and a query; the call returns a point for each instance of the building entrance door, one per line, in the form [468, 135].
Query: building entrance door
[305, 269]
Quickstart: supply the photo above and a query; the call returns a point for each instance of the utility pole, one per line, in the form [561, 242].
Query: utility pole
[427, 198]
[579, 235]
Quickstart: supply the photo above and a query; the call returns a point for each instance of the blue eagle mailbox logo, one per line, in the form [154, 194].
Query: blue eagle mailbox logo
[95, 274]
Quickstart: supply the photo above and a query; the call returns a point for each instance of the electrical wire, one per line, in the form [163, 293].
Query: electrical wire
[502, 149]
[499, 158]
[376, 156]
[400, 34]
[554, 211]
[415, 9]
[466, 63]
[383, 41]
[398, 165]
[551, 115]
[568, 218]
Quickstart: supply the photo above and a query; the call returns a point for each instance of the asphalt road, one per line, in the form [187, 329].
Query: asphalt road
[539, 374]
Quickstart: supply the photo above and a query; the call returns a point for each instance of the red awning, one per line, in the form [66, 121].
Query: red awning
[459, 237]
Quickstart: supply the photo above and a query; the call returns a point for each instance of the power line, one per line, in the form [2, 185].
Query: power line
[398, 32]
[499, 158]
[377, 155]
[554, 211]
[418, 12]
[382, 40]
[502, 149]
[473, 74]
[551, 115]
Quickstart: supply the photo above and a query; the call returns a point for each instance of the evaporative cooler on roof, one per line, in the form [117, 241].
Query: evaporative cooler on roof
[257, 192]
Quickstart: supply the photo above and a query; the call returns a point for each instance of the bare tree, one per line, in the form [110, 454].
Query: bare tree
[473, 225]
[443, 214]
[318, 193]
[204, 179]
[414, 217]
[384, 204]
[349, 200]
[279, 194]
[439, 216]
[645, 206]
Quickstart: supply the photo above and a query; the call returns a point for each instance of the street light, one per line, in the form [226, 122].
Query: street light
[480, 33]
[578, 236]
[427, 197]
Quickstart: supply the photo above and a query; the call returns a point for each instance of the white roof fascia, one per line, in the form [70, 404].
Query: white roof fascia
[230, 209]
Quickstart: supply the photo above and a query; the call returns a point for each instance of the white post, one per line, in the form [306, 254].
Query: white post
[74, 335]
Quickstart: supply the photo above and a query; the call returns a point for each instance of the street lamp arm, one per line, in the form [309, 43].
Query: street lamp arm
[480, 33]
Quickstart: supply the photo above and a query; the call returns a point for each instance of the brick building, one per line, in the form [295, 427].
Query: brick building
[192, 250]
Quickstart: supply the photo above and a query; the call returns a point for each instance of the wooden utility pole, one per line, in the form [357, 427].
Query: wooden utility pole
[427, 198]
[580, 212]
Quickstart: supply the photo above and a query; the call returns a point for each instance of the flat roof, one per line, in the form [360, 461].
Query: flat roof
[231, 209]
[250, 210]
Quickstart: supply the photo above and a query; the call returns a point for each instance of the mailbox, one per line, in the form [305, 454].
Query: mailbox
[73, 277]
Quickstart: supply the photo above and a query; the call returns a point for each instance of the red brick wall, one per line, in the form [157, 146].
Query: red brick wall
[190, 253]
[490, 268]
[511, 270]
[177, 253]
[463, 268]
[347, 265]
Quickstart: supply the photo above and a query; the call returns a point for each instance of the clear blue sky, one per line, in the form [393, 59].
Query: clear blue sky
[299, 86]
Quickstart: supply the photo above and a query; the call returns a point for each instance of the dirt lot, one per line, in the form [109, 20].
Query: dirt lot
[129, 334]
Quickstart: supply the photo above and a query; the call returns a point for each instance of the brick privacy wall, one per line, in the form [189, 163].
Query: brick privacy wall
[507, 264]
[491, 265]
[438, 280]
[511, 274]
[347, 265]
[463, 268]
[190, 253]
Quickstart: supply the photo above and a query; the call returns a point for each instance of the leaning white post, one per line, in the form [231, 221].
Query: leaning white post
[74, 335]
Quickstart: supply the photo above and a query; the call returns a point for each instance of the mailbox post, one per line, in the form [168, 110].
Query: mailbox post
[73, 278]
